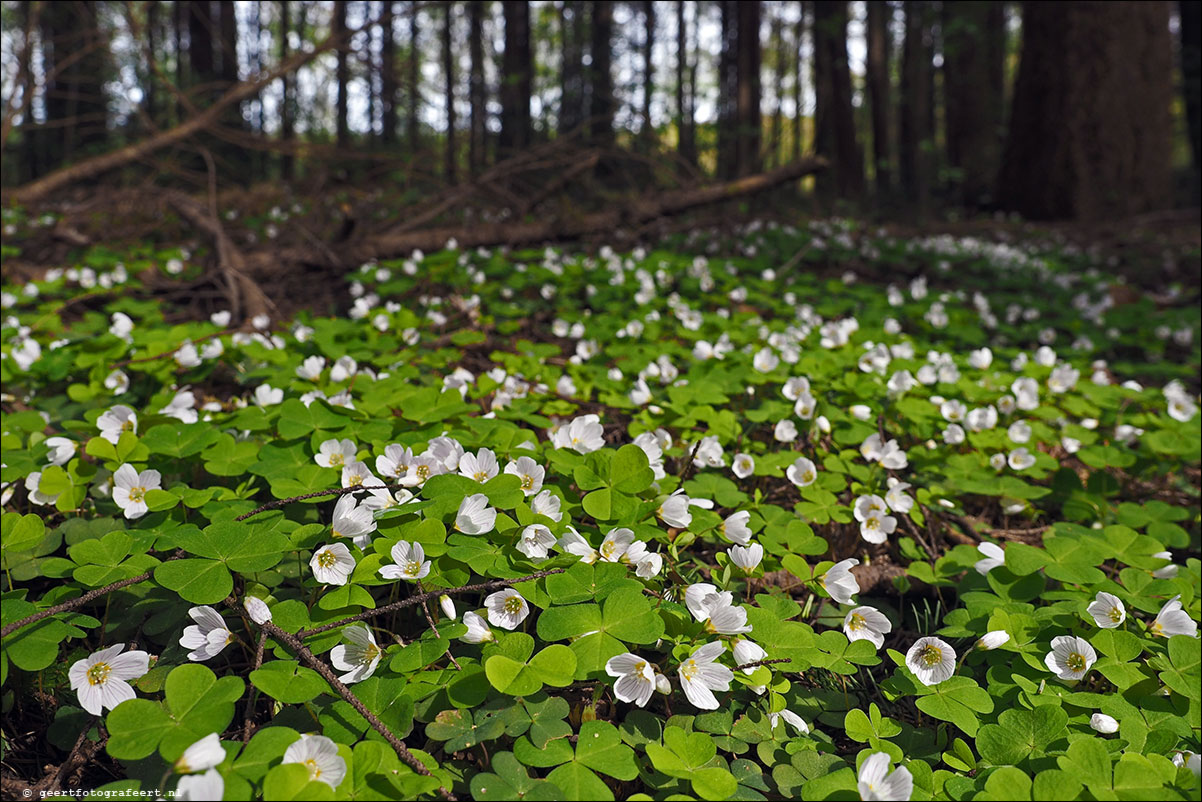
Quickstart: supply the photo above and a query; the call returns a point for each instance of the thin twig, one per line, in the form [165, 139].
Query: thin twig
[492, 584]
[336, 491]
[755, 663]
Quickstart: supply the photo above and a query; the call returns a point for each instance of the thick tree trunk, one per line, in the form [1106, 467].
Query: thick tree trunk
[686, 142]
[76, 65]
[917, 137]
[972, 110]
[448, 68]
[476, 88]
[388, 79]
[516, 69]
[601, 82]
[200, 47]
[288, 100]
[728, 80]
[778, 88]
[749, 116]
[571, 99]
[879, 94]
[1091, 130]
[342, 75]
[1191, 86]
[414, 88]
[798, 37]
[835, 125]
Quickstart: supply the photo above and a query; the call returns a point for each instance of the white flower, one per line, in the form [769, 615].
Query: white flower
[477, 630]
[410, 562]
[1190, 760]
[1070, 658]
[765, 360]
[448, 606]
[981, 418]
[530, 473]
[700, 676]
[1019, 432]
[735, 528]
[546, 503]
[839, 581]
[785, 431]
[648, 564]
[792, 719]
[932, 660]
[360, 658]
[994, 556]
[888, 454]
[635, 678]
[876, 782]
[536, 542]
[336, 453]
[266, 395]
[357, 474]
[747, 557]
[117, 381]
[506, 608]
[130, 489]
[1166, 572]
[36, 496]
[993, 640]
[311, 368]
[583, 435]
[353, 521]
[896, 497]
[207, 637]
[953, 435]
[1182, 409]
[615, 544]
[480, 466]
[344, 368]
[332, 564]
[860, 411]
[115, 421]
[1107, 610]
[186, 356]
[804, 406]
[475, 517]
[320, 756]
[876, 527]
[1172, 620]
[200, 787]
[1020, 459]
[121, 325]
[674, 511]
[745, 652]
[716, 609]
[61, 450]
[794, 387]
[573, 543]
[802, 473]
[201, 756]
[867, 623]
[101, 679]
[980, 358]
[743, 465]
[1104, 724]
[258, 610]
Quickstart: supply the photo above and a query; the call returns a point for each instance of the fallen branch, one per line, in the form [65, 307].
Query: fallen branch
[391, 245]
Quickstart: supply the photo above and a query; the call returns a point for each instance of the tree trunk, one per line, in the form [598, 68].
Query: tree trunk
[476, 94]
[972, 111]
[342, 74]
[150, 97]
[750, 118]
[835, 125]
[1091, 128]
[571, 99]
[200, 48]
[916, 140]
[686, 141]
[1191, 86]
[778, 89]
[798, 41]
[448, 67]
[288, 101]
[879, 94]
[181, 77]
[515, 78]
[646, 131]
[371, 72]
[76, 65]
[728, 80]
[601, 86]
[388, 79]
[414, 81]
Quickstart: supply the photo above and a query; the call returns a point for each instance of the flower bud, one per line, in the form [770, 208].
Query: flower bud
[662, 685]
[257, 609]
[1103, 723]
[448, 606]
[993, 640]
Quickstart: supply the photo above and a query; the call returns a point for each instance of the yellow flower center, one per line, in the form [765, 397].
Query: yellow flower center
[932, 655]
[527, 483]
[856, 623]
[336, 459]
[413, 567]
[99, 673]
[689, 669]
[128, 426]
[314, 770]
[325, 559]
[355, 481]
[480, 476]
[423, 472]
[1075, 662]
[513, 605]
[1115, 615]
[137, 493]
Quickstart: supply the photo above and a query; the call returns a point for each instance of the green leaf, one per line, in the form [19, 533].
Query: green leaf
[288, 682]
[136, 726]
[196, 581]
